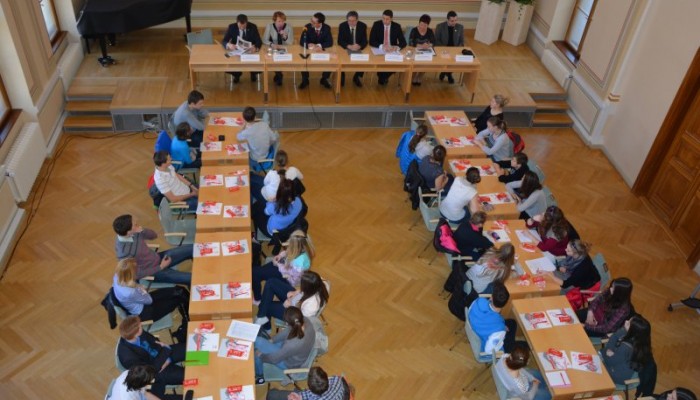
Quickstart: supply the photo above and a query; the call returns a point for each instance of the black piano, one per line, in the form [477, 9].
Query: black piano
[100, 18]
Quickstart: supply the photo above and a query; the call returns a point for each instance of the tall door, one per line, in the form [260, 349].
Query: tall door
[675, 190]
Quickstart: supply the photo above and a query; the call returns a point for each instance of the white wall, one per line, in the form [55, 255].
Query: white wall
[658, 61]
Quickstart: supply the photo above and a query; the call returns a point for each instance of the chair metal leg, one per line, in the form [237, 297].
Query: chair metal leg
[479, 375]
[426, 246]
[433, 259]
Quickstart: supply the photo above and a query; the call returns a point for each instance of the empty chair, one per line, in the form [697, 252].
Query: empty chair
[178, 231]
[536, 169]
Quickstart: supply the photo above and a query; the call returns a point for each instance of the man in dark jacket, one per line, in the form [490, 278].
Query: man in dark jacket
[317, 36]
[247, 31]
[386, 34]
[352, 36]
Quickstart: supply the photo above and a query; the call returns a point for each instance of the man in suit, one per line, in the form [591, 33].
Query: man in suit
[247, 31]
[352, 35]
[386, 34]
[449, 33]
[137, 347]
[318, 38]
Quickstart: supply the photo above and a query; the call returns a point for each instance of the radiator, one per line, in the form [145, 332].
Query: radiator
[25, 160]
[557, 68]
[69, 63]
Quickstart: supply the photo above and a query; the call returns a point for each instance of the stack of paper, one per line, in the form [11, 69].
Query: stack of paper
[211, 180]
[236, 349]
[236, 181]
[497, 235]
[540, 264]
[535, 320]
[236, 290]
[209, 249]
[235, 211]
[565, 316]
[209, 208]
[206, 292]
[554, 359]
[495, 198]
[210, 146]
[203, 342]
[235, 247]
[243, 330]
[236, 149]
[586, 362]
[238, 393]
[558, 379]
[460, 165]
[461, 141]
[226, 121]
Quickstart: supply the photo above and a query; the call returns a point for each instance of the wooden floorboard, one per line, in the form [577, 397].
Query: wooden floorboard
[389, 331]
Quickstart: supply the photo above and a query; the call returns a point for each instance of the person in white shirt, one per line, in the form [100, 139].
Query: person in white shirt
[171, 184]
[272, 179]
[462, 197]
[258, 135]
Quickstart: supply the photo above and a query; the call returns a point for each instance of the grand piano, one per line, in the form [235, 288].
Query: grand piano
[100, 18]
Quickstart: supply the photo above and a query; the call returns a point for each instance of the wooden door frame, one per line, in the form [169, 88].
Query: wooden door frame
[689, 88]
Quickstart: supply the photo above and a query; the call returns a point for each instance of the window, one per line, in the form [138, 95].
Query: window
[50, 19]
[578, 26]
[4, 104]
[8, 116]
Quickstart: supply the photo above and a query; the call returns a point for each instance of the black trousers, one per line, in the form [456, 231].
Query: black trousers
[509, 341]
[172, 374]
[384, 76]
[166, 301]
[305, 75]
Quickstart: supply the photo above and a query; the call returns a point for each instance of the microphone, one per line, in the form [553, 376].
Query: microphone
[303, 43]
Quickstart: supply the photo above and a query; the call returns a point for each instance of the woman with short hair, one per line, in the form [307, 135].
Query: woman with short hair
[494, 109]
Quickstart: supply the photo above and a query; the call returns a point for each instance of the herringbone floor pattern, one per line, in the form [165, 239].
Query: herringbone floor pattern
[389, 331]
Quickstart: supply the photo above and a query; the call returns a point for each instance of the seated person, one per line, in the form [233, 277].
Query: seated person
[520, 382]
[138, 347]
[432, 171]
[132, 384]
[494, 109]
[149, 306]
[288, 349]
[180, 149]
[554, 231]
[422, 38]
[311, 298]
[413, 146]
[577, 269]
[317, 36]
[277, 35]
[495, 333]
[247, 31]
[131, 243]
[289, 264]
[321, 387]
[529, 195]
[192, 111]
[608, 311]
[493, 267]
[494, 141]
[462, 199]
[676, 394]
[628, 350]
[469, 236]
[171, 184]
[274, 177]
[258, 135]
[279, 214]
[518, 168]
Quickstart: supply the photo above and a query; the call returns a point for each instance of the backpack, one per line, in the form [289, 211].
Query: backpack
[518, 143]
[462, 292]
[153, 191]
[443, 240]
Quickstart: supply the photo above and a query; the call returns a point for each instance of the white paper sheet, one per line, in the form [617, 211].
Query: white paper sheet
[243, 330]
[540, 264]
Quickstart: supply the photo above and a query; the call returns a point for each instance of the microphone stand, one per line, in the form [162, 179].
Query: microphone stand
[303, 43]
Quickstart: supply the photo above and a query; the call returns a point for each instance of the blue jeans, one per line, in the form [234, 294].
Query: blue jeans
[170, 274]
[542, 391]
[263, 273]
[268, 306]
[264, 346]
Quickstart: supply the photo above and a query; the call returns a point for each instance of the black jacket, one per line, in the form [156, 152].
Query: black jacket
[324, 37]
[130, 354]
[251, 34]
[396, 37]
[345, 36]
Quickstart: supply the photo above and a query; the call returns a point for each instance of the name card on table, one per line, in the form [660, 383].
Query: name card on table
[423, 57]
[320, 57]
[393, 57]
[459, 58]
[359, 57]
[282, 57]
[250, 57]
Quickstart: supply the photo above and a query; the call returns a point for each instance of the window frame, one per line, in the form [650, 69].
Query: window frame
[52, 7]
[10, 117]
[569, 51]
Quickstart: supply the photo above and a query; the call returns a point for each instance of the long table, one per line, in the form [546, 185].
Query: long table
[221, 372]
[214, 132]
[221, 194]
[445, 132]
[221, 270]
[584, 384]
[212, 58]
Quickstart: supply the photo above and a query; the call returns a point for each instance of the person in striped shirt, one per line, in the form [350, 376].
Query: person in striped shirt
[321, 387]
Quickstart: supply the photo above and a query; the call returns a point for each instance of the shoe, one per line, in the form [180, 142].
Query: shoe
[259, 380]
[236, 78]
[356, 80]
[450, 79]
[325, 83]
[442, 76]
[256, 302]
[304, 84]
[279, 82]
[261, 320]
[382, 81]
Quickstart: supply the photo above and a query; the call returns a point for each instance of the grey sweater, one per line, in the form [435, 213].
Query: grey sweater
[294, 351]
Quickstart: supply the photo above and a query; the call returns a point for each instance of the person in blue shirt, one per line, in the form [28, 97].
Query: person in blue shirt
[180, 149]
[279, 214]
[495, 332]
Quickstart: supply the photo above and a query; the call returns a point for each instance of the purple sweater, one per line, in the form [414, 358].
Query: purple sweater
[147, 260]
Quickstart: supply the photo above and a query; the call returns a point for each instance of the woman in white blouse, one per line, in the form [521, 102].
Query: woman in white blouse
[311, 298]
[273, 177]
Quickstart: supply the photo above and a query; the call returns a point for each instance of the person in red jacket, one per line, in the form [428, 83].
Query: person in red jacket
[554, 231]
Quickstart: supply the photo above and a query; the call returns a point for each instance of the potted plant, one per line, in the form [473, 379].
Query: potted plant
[518, 22]
[488, 27]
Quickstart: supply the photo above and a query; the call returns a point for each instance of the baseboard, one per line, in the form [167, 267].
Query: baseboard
[10, 238]
[56, 135]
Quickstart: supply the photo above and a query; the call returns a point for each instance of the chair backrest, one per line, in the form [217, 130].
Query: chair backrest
[163, 141]
[171, 126]
[474, 340]
[117, 362]
[266, 117]
[407, 33]
[307, 364]
[536, 169]
[603, 271]
[204, 36]
[549, 197]
[171, 224]
[109, 389]
[429, 211]
[500, 387]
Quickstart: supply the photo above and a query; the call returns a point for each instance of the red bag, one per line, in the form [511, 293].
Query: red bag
[575, 298]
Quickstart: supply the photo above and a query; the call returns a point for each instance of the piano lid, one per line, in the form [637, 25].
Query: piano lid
[110, 16]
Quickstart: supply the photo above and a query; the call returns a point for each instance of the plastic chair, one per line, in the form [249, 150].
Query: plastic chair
[481, 357]
[602, 267]
[272, 373]
[266, 164]
[407, 33]
[429, 206]
[631, 383]
[500, 387]
[536, 169]
[109, 389]
[178, 231]
[164, 323]
[691, 302]
[549, 197]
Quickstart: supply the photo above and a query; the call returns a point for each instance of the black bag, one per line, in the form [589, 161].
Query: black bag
[181, 333]
[156, 195]
[456, 282]
[412, 182]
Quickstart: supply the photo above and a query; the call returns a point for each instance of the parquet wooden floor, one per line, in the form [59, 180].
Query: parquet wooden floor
[389, 331]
